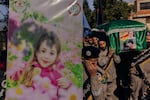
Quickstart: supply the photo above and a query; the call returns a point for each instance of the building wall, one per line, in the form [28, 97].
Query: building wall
[141, 15]
[148, 23]
[143, 20]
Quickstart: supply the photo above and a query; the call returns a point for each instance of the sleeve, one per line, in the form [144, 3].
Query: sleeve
[103, 60]
[95, 86]
[66, 73]
[117, 58]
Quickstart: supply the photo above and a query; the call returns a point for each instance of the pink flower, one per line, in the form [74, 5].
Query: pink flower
[18, 93]
[43, 85]
[72, 93]
[15, 67]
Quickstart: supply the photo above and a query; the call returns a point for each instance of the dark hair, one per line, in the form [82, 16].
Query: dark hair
[51, 39]
[130, 41]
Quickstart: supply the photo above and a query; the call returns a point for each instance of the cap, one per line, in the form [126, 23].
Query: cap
[89, 52]
[95, 34]
[101, 35]
[89, 35]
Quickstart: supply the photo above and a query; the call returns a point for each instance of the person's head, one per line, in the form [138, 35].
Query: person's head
[90, 53]
[102, 40]
[102, 44]
[95, 40]
[95, 37]
[90, 41]
[47, 49]
[131, 34]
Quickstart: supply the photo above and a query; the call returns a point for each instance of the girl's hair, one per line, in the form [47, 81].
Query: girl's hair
[52, 40]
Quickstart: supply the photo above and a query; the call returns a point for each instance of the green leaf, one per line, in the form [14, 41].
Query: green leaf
[65, 47]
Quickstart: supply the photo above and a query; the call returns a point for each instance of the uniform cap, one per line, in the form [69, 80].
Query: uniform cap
[101, 35]
[89, 52]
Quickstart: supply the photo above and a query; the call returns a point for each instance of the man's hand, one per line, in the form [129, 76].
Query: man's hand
[91, 67]
[111, 52]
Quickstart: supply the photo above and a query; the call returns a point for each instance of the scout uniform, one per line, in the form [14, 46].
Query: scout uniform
[106, 63]
[103, 85]
[88, 52]
[140, 76]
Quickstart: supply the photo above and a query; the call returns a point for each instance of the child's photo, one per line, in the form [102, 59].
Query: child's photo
[127, 41]
[43, 61]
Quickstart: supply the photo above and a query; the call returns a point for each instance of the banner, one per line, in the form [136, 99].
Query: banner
[44, 50]
[127, 40]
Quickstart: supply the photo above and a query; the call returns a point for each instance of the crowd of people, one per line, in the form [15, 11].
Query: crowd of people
[110, 75]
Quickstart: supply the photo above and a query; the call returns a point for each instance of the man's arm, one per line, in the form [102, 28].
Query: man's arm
[95, 84]
[117, 58]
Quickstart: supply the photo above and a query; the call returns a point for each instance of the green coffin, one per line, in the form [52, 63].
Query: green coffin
[125, 35]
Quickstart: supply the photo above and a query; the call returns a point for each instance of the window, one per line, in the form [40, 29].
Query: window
[145, 5]
[148, 20]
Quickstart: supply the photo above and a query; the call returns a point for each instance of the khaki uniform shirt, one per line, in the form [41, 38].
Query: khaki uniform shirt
[137, 83]
[105, 91]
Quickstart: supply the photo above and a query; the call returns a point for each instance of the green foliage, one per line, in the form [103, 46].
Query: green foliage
[11, 57]
[39, 17]
[91, 15]
[112, 10]
[11, 83]
[36, 16]
[133, 8]
[76, 69]
[28, 56]
[79, 44]
[64, 47]
[26, 14]
[57, 19]
[115, 10]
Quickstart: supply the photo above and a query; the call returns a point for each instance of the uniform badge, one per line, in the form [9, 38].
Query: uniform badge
[88, 53]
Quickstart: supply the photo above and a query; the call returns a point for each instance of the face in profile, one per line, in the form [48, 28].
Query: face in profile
[46, 55]
[102, 45]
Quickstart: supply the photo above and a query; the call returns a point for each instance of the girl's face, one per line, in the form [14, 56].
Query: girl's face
[46, 56]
